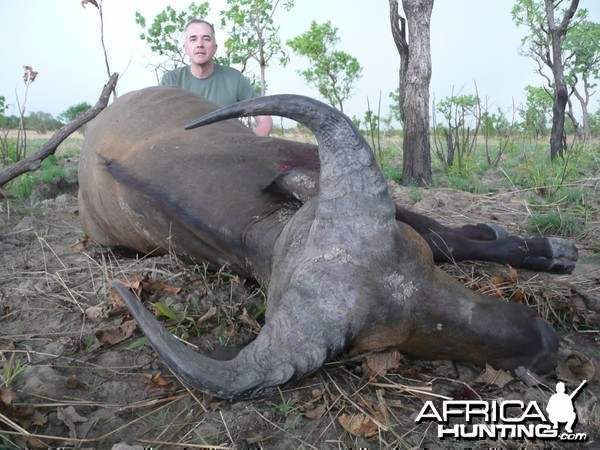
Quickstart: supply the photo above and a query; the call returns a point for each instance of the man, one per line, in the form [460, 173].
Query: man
[219, 84]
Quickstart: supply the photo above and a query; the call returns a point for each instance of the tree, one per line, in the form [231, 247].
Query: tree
[463, 118]
[73, 112]
[395, 106]
[545, 42]
[253, 34]
[42, 122]
[332, 72]
[582, 44]
[415, 75]
[164, 35]
[538, 106]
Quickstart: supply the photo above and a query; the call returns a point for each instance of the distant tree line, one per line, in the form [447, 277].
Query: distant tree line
[39, 121]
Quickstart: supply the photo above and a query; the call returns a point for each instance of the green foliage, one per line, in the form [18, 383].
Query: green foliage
[595, 123]
[74, 111]
[49, 171]
[11, 370]
[538, 107]
[465, 176]
[543, 176]
[8, 149]
[395, 107]
[454, 140]
[164, 35]
[466, 104]
[532, 15]
[9, 122]
[178, 322]
[582, 42]
[42, 122]
[331, 71]
[392, 173]
[554, 222]
[253, 35]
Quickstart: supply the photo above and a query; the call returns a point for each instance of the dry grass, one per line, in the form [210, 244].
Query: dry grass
[94, 394]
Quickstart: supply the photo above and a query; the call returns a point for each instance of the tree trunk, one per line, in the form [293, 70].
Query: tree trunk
[585, 115]
[561, 94]
[415, 76]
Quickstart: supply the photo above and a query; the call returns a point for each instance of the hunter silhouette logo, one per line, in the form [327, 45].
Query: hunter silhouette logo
[507, 419]
[560, 407]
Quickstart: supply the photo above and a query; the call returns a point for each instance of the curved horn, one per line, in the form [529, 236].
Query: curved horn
[349, 172]
[261, 365]
[295, 340]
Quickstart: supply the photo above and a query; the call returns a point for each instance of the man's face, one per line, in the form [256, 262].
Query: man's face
[200, 45]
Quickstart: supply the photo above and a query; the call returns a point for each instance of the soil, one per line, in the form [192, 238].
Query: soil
[77, 372]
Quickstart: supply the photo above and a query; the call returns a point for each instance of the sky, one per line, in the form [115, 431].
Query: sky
[472, 41]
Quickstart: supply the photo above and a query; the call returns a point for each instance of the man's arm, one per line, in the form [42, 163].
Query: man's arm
[264, 125]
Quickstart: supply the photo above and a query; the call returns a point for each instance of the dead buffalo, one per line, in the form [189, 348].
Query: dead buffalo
[318, 227]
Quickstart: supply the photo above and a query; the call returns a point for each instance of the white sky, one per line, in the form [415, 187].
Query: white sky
[471, 40]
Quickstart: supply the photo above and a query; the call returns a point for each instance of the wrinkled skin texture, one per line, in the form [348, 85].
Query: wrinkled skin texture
[342, 272]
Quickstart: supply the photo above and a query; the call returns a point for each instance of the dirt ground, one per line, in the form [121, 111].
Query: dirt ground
[77, 373]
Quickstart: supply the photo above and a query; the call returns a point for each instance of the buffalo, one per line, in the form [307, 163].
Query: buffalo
[346, 268]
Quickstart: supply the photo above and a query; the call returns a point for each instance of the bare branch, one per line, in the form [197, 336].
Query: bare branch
[33, 162]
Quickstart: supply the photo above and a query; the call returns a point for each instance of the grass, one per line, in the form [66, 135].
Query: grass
[12, 369]
[55, 169]
[51, 171]
[561, 194]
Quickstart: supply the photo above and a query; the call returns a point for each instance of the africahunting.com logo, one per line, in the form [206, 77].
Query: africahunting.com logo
[508, 419]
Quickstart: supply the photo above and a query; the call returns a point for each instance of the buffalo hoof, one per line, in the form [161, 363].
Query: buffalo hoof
[484, 232]
[494, 230]
[560, 255]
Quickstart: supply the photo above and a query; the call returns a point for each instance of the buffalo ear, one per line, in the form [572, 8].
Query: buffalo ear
[299, 184]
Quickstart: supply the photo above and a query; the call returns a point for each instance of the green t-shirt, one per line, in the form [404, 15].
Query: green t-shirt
[224, 86]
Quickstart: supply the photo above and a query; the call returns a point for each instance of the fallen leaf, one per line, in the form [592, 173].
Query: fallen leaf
[576, 367]
[358, 425]
[245, 318]
[74, 383]
[26, 416]
[81, 244]
[158, 385]
[252, 437]
[97, 312]
[137, 283]
[513, 276]
[70, 417]
[395, 403]
[161, 287]
[316, 413]
[317, 393]
[499, 377]
[33, 442]
[133, 282]
[590, 300]
[378, 364]
[498, 284]
[117, 335]
[7, 397]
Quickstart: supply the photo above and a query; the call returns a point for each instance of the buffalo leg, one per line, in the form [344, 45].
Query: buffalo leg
[537, 253]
